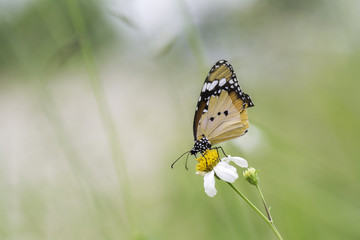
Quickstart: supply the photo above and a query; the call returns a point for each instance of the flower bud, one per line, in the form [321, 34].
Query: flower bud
[251, 176]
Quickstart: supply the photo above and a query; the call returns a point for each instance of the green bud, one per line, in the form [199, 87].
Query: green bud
[251, 176]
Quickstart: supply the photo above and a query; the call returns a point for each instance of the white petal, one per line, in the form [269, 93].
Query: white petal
[241, 162]
[226, 172]
[226, 159]
[209, 184]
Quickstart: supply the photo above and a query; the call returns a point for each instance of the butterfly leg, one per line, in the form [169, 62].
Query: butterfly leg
[205, 160]
[217, 149]
[222, 151]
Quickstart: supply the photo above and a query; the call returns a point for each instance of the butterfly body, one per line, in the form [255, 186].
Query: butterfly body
[220, 113]
[200, 146]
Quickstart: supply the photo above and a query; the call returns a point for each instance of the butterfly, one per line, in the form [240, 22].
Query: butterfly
[220, 113]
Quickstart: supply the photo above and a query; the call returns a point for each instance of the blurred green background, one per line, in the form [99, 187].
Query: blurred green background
[97, 100]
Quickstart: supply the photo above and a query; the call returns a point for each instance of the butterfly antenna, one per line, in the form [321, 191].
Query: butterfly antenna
[187, 158]
[172, 165]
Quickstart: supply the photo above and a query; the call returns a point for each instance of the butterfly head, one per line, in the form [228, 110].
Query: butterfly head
[201, 145]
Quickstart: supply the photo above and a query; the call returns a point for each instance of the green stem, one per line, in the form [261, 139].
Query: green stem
[270, 223]
[266, 207]
[264, 202]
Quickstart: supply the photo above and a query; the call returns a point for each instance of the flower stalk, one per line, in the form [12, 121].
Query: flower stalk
[269, 222]
[264, 202]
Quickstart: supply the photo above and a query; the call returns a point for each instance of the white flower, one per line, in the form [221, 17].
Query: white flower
[222, 169]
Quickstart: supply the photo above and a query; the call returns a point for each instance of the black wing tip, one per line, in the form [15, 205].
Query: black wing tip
[221, 61]
[248, 101]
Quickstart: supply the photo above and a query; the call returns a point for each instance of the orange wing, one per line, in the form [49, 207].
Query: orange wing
[221, 110]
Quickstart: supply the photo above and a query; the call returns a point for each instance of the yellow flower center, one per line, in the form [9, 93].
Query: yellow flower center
[207, 161]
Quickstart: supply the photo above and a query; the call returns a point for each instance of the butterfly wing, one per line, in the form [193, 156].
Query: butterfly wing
[221, 110]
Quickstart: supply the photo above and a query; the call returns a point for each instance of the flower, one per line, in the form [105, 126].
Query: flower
[210, 165]
[251, 176]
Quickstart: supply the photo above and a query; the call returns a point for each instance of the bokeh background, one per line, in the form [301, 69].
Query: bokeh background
[97, 100]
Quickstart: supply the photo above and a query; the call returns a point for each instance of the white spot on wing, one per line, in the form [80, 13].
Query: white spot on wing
[208, 85]
[222, 82]
[231, 81]
[212, 85]
[204, 88]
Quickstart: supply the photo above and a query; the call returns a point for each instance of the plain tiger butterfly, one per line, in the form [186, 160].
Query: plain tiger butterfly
[220, 114]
